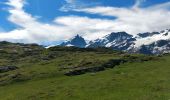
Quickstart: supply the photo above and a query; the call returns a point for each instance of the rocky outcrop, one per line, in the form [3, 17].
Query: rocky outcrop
[110, 64]
[7, 68]
[84, 70]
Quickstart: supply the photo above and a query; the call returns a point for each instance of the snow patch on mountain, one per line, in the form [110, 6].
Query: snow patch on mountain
[163, 35]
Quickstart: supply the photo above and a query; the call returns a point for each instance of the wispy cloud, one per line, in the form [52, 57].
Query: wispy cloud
[138, 4]
[72, 5]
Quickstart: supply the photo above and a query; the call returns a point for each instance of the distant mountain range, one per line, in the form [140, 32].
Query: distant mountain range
[146, 43]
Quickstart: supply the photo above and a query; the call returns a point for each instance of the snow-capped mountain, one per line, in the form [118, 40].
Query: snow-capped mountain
[117, 41]
[77, 41]
[146, 43]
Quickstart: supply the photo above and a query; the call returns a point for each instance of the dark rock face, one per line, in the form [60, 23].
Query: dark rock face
[77, 41]
[162, 43]
[145, 50]
[143, 35]
[119, 36]
[109, 64]
[7, 68]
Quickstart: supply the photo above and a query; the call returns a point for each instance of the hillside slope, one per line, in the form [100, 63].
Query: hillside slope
[40, 74]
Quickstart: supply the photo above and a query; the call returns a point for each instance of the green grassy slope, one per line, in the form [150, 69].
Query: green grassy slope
[40, 76]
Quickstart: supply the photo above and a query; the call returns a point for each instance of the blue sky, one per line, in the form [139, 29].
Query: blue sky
[42, 21]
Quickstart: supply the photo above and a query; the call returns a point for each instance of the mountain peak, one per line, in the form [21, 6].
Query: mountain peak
[77, 35]
[76, 41]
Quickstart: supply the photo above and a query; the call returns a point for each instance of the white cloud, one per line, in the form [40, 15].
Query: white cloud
[132, 20]
[16, 4]
[135, 20]
[90, 28]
